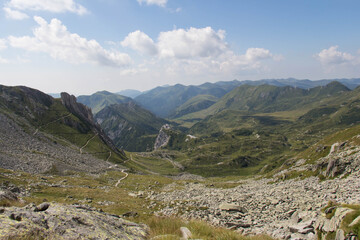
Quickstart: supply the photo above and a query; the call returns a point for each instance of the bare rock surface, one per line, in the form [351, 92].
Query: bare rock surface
[163, 138]
[57, 221]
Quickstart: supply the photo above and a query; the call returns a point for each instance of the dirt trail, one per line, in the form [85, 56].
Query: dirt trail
[126, 175]
[37, 130]
[81, 149]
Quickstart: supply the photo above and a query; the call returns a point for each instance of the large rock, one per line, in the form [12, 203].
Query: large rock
[66, 222]
[332, 225]
[230, 207]
[163, 138]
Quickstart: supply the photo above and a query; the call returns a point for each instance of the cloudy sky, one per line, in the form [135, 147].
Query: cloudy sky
[83, 46]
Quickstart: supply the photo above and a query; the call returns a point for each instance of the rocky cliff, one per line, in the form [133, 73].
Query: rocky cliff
[163, 138]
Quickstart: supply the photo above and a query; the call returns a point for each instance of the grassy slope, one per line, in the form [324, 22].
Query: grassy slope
[194, 104]
[238, 142]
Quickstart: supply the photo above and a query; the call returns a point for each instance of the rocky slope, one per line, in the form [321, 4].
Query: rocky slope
[56, 221]
[280, 208]
[39, 153]
[41, 134]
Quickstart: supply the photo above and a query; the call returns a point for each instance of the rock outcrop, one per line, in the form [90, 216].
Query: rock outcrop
[162, 138]
[55, 221]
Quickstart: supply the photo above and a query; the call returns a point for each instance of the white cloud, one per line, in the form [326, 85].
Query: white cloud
[3, 44]
[255, 54]
[332, 56]
[2, 60]
[2, 47]
[140, 42]
[196, 51]
[56, 6]
[14, 14]
[54, 39]
[161, 3]
[194, 42]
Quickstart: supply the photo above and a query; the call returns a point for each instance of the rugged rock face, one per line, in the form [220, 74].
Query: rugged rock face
[55, 221]
[78, 109]
[84, 113]
[163, 138]
[34, 101]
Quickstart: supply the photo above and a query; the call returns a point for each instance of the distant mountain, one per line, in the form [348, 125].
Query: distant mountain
[130, 126]
[304, 83]
[130, 93]
[100, 100]
[269, 98]
[54, 95]
[165, 101]
[195, 104]
[41, 134]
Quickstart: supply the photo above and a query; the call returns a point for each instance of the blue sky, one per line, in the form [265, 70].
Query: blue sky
[83, 46]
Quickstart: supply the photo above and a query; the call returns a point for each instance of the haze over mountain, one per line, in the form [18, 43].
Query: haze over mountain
[165, 101]
[130, 93]
[100, 100]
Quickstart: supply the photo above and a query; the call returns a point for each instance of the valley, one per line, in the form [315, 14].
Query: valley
[228, 160]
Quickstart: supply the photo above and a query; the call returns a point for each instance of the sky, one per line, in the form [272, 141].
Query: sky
[84, 46]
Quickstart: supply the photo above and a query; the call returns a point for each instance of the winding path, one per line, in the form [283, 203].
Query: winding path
[37, 130]
[126, 175]
[81, 149]
[108, 156]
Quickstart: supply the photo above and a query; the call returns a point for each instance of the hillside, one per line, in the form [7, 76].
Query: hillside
[257, 126]
[43, 134]
[269, 98]
[165, 101]
[100, 100]
[131, 127]
[308, 152]
[194, 104]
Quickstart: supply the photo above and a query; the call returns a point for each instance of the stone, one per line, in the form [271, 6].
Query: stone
[355, 221]
[231, 207]
[303, 228]
[8, 195]
[68, 222]
[42, 207]
[340, 235]
[185, 233]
